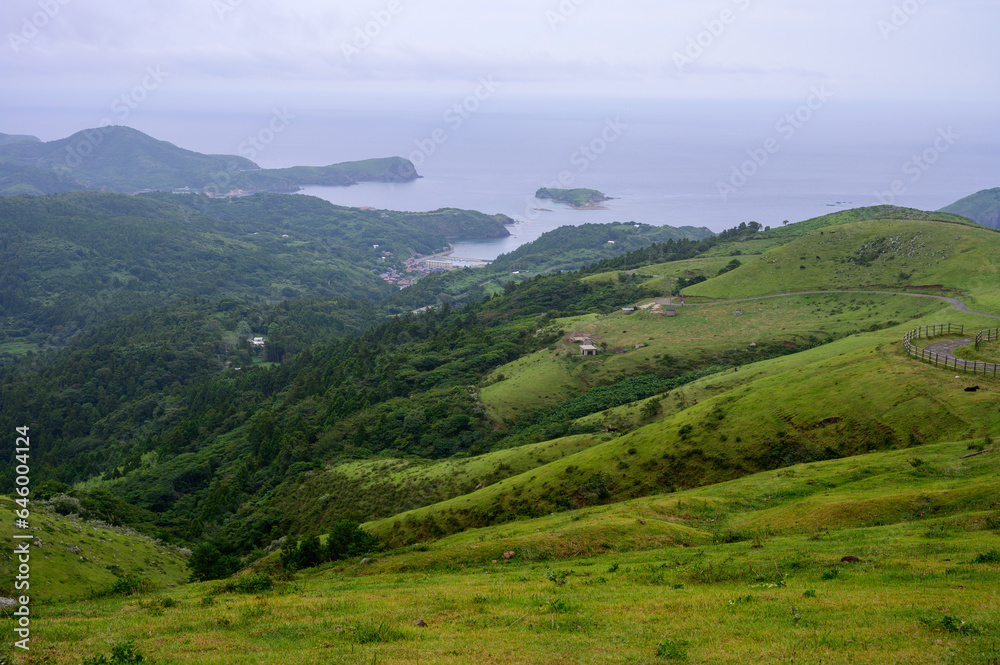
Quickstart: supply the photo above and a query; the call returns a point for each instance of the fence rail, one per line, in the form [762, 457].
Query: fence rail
[949, 361]
[987, 336]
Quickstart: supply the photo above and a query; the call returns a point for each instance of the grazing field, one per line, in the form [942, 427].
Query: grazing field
[891, 557]
[698, 335]
[920, 256]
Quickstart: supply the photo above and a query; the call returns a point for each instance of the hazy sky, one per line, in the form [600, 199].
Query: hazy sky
[65, 51]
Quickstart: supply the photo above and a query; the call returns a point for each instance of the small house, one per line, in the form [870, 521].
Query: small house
[588, 350]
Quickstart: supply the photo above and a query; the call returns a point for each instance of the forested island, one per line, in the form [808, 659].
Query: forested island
[580, 199]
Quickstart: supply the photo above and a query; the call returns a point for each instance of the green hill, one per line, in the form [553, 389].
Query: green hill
[122, 159]
[73, 559]
[8, 139]
[763, 481]
[73, 260]
[982, 207]
[862, 560]
[906, 255]
[572, 247]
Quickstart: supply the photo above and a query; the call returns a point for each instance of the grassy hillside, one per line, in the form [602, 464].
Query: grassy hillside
[911, 255]
[379, 487]
[746, 571]
[856, 395]
[72, 559]
[983, 207]
[772, 480]
[696, 337]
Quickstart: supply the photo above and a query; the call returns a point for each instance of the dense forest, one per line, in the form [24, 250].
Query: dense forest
[73, 261]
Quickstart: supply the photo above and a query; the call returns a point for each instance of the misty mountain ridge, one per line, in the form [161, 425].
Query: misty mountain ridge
[125, 160]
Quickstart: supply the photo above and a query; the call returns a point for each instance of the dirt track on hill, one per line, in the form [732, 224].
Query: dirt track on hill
[956, 303]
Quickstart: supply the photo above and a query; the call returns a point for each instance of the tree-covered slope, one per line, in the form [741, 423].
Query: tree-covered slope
[572, 247]
[69, 261]
[122, 159]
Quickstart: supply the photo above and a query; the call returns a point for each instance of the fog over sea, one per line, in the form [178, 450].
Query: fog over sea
[661, 161]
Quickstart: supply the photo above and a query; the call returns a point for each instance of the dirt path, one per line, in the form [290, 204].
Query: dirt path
[956, 303]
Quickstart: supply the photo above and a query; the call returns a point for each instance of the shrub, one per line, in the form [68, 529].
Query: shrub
[208, 563]
[128, 585]
[121, 654]
[993, 556]
[372, 633]
[258, 583]
[557, 577]
[673, 649]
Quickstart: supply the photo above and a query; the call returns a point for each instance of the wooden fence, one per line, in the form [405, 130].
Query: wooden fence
[987, 336]
[948, 361]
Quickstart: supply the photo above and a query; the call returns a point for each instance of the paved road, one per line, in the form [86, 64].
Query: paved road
[945, 348]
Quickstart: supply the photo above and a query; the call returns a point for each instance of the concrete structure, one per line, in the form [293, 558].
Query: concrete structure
[588, 350]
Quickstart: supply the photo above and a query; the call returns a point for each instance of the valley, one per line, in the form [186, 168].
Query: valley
[765, 475]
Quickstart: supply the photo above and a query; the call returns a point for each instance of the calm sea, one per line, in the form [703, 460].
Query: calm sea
[677, 163]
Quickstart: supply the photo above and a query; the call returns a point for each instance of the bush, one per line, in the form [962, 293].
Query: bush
[258, 583]
[993, 556]
[673, 649]
[208, 563]
[345, 539]
[121, 654]
[127, 585]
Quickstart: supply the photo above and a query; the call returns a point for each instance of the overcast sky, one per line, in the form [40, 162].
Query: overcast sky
[880, 50]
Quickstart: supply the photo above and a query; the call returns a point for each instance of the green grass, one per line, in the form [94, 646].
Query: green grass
[857, 395]
[696, 336]
[888, 254]
[388, 486]
[106, 554]
[715, 575]
[988, 352]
